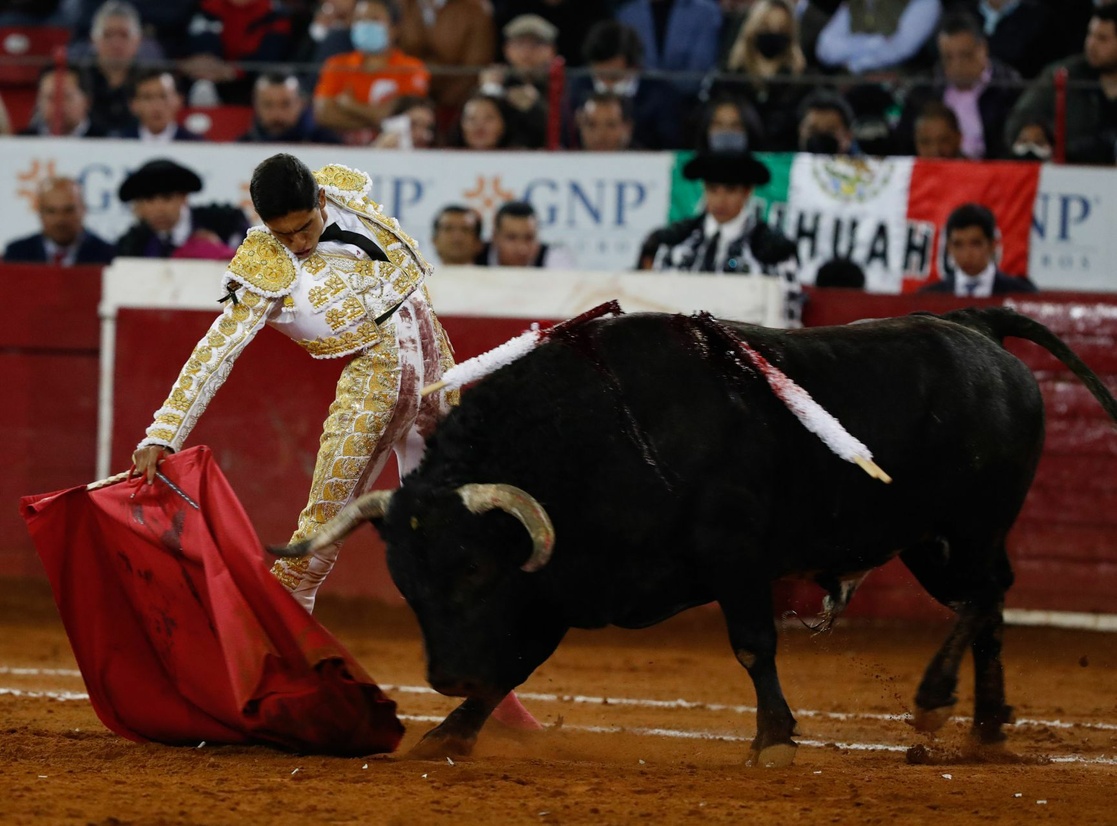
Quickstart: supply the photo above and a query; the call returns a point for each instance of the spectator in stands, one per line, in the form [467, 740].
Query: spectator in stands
[515, 241]
[1091, 119]
[573, 18]
[227, 32]
[156, 103]
[763, 64]
[282, 114]
[728, 124]
[328, 33]
[357, 90]
[168, 20]
[63, 240]
[971, 249]
[167, 226]
[457, 235]
[826, 125]
[677, 35]
[866, 36]
[116, 38]
[605, 123]
[529, 50]
[937, 133]
[615, 57]
[1033, 143]
[727, 236]
[1018, 32]
[843, 273]
[874, 110]
[486, 124]
[456, 34]
[413, 124]
[62, 106]
[980, 89]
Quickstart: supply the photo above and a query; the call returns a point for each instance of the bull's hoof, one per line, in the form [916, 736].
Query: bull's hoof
[931, 719]
[777, 756]
[435, 746]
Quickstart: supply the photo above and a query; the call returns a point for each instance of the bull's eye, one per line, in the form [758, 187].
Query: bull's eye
[414, 523]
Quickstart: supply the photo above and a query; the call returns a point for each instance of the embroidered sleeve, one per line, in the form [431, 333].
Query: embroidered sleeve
[207, 368]
[264, 264]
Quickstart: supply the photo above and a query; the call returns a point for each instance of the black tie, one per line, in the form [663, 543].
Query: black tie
[710, 259]
[335, 233]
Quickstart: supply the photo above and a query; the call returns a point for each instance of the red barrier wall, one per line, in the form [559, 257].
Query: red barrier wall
[263, 428]
[49, 345]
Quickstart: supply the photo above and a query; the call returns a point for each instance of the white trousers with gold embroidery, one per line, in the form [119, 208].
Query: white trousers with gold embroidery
[377, 409]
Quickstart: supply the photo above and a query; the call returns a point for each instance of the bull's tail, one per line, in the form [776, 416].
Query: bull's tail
[1001, 322]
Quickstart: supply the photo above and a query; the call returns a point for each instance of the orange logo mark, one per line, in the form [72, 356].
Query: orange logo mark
[29, 180]
[488, 194]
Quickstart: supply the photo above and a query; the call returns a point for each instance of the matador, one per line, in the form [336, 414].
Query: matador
[343, 280]
[330, 270]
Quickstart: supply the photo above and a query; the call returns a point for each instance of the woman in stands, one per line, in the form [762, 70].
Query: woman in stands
[762, 67]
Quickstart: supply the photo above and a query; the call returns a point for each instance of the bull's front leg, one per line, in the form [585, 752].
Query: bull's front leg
[990, 711]
[456, 735]
[752, 633]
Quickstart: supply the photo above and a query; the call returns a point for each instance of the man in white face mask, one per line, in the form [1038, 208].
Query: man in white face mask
[356, 90]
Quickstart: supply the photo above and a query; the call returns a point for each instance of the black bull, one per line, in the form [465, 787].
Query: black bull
[673, 476]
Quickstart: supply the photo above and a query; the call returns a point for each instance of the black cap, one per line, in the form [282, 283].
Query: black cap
[159, 177]
[721, 167]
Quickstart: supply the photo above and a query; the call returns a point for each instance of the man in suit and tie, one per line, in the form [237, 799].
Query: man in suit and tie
[63, 241]
[971, 257]
[155, 102]
[168, 226]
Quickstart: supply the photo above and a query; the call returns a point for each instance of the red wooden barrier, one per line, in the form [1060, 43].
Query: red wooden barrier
[263, 427]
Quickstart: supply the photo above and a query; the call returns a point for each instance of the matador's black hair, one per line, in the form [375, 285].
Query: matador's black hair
[282, 184]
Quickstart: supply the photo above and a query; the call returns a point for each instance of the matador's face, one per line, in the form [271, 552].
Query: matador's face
[299, 231]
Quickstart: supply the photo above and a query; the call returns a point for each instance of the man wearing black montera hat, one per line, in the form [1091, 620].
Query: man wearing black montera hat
[167, 225]
[727, 237]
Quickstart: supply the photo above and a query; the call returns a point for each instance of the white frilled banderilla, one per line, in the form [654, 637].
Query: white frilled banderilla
[814, 417]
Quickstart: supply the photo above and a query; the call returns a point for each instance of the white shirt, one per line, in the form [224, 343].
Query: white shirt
[166, 136]
[975, 286]
[68, 253]
[730, 230]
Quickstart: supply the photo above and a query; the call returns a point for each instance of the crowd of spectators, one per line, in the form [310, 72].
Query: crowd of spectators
[895, 76]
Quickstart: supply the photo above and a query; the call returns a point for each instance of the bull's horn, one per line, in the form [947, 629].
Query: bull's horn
[520, 504]
[370, 506]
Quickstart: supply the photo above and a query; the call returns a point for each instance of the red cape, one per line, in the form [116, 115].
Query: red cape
[180, 631]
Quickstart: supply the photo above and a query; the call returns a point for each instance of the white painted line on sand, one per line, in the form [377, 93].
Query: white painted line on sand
[678, 734]
[580, 699]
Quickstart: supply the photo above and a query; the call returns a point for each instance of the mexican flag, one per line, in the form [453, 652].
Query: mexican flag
[886, 214]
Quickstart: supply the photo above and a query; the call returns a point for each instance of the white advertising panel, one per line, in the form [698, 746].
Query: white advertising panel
[599, 206]
[1074, 229]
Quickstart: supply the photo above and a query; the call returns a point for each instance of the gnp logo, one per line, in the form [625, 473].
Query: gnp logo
[1057, 215]
[397, 195]
[850, 180]
[587, 203]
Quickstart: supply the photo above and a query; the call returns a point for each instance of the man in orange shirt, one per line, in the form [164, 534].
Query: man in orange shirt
[356, 90]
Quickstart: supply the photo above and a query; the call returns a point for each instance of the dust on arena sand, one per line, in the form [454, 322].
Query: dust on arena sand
[609, 755]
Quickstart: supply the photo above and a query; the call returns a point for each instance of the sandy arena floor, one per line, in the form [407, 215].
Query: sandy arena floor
[644, 727]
